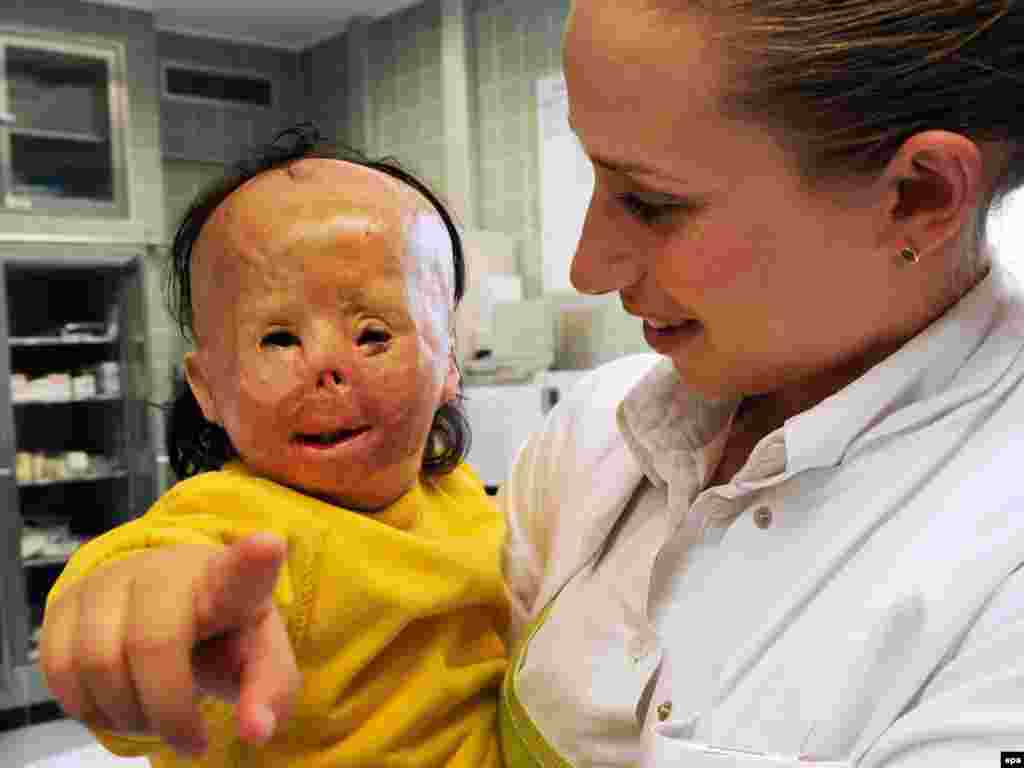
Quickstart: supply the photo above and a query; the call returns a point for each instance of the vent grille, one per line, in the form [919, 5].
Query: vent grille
[229, 88]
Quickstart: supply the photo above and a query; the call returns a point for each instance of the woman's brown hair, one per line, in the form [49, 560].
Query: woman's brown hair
[846, 82]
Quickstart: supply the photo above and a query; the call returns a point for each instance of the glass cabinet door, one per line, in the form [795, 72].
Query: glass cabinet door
[60, 128]
[13, 623]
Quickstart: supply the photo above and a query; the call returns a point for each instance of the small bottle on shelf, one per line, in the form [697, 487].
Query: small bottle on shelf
[108, 378]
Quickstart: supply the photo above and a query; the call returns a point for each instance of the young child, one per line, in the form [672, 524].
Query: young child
[366, 629]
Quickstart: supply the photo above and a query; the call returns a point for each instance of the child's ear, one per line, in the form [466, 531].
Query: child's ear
[450, 390]
[197, 381]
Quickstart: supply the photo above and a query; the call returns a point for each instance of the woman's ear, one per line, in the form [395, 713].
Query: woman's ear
[198, 382]
[936, 178]
[452, 380]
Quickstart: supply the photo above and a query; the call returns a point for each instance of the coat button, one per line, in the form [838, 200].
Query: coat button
[762, 517]
[664, 711]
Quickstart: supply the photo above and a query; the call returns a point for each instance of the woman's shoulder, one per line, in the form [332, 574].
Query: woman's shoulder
[599, 392]
[580, 434]
[567, 482]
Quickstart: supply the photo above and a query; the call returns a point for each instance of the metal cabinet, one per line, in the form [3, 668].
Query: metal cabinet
[76, 457]
[11, 592]
[62, 116]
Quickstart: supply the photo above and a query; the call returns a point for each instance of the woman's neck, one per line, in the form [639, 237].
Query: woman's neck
[761, 414]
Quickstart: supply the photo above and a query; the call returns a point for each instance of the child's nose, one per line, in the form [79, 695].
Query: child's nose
[330, 378]
[327, 358]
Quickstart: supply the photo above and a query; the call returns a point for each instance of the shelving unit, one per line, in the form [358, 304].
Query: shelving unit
[78, 464]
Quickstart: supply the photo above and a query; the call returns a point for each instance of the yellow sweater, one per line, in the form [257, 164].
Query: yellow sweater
[396, 619]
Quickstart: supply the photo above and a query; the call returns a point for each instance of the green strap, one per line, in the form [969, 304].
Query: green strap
[522, 745]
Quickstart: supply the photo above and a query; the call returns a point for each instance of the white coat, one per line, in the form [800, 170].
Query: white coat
[883, 622]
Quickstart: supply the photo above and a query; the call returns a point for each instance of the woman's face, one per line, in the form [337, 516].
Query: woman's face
[748, 279]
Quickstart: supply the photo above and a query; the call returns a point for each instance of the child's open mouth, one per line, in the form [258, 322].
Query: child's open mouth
[329, 439]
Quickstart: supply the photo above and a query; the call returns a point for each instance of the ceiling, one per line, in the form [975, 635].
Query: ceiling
[290, 24]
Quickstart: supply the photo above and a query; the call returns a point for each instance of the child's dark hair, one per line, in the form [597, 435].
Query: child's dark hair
[196, 445]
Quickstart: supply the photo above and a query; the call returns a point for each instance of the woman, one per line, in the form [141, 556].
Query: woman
[798, 531]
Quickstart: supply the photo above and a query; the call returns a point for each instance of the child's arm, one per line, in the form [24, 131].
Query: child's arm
[130, 646]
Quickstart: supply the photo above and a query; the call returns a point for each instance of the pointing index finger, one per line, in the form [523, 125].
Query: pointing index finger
[238, 585]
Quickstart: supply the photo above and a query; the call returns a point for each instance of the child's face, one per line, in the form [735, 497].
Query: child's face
[321, 297]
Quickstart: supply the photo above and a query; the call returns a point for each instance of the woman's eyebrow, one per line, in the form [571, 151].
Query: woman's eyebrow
[623, 167]
[632, 169]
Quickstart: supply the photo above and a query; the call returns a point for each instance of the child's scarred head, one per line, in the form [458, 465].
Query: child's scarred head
[320, 296]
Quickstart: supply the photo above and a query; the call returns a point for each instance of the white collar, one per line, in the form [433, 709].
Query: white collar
[676, 436]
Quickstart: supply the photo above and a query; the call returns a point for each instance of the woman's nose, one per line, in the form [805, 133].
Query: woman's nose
[605, 260]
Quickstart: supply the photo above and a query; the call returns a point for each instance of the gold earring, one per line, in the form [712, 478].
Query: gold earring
[910, 255]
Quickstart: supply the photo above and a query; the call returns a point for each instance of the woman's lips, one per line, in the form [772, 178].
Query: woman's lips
[660, 325]
[663, 336]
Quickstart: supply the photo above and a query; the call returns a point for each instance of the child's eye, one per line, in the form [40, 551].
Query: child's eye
[280, 339]
[373, 337]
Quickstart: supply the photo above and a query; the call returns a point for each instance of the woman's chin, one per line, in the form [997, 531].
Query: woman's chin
[709, 386]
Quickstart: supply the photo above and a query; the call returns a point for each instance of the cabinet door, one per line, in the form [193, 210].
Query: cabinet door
[73, 334]
[60, 146]
[138, 451]
[13, 618]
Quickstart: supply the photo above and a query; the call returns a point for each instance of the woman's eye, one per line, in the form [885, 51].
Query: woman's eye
[373, 337]
[645, 210]
[280, 339]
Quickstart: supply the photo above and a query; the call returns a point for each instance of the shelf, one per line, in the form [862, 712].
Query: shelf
[96, 399]
[48, 561]
[119, 475]
[45, 562]
[43, 133]
[25, 198]
[60, 341]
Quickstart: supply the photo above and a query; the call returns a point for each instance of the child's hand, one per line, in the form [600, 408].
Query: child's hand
[131, 647]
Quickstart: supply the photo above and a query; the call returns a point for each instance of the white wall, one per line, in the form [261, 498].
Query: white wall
[1006, 233]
